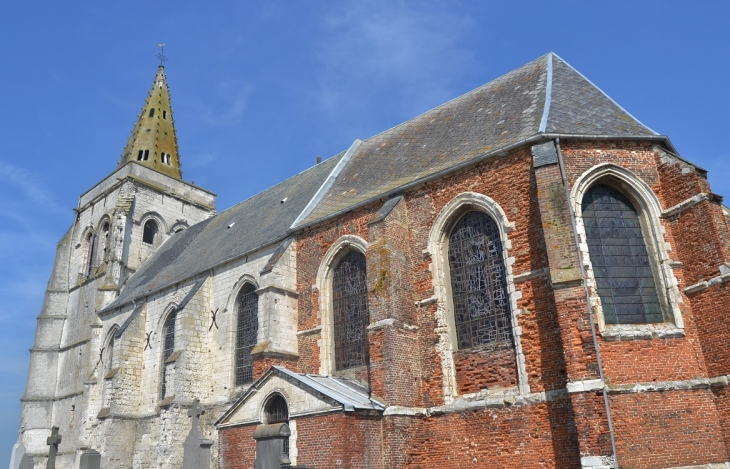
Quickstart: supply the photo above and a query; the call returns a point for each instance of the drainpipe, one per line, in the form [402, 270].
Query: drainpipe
[588, 299]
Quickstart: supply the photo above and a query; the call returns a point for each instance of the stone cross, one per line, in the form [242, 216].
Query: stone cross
[53, 441]
[195, 412]
[194, 456]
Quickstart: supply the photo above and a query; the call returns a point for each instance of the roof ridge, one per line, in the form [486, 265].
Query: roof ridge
[605, 94]
[548, 93]
[464, 95]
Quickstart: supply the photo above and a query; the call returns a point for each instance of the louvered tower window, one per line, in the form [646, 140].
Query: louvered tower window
[350, 306]
[168, 348]
[248, 326]
[479, 283]
[621, 263]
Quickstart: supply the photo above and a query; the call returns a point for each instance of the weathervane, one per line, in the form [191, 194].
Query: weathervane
[161, 55]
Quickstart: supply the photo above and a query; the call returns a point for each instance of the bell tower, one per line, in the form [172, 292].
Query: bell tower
[119, 223]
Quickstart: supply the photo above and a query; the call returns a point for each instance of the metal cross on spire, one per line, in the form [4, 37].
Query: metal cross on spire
[161, 55]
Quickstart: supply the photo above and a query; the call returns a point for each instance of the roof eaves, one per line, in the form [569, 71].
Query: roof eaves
[437, 175]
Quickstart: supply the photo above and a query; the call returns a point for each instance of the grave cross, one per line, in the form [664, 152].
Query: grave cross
[195, 412]
[53, 441]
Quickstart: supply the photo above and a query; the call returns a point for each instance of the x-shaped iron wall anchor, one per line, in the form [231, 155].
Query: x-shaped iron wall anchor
[101, 357]
[147, 345]
[213, 313]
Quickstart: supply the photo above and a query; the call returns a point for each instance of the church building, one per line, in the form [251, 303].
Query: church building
[524, 276]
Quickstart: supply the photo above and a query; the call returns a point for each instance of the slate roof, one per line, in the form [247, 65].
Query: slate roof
[256, 222]
[545, 96]
[347, 392]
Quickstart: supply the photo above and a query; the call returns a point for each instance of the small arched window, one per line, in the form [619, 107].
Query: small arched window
[350, 309]
[90, 245]
[168, 347]
[621, 262]
[103, 241]
[247, 330]
[479, 282]
[110, 352]
[150, 232]
[276, 411]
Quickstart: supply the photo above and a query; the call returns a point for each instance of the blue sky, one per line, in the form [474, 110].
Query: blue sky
[259, 89]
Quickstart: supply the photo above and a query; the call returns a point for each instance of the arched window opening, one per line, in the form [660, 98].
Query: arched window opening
[146, 152]
[164, 114]
[350, 308]
[152, 112]
[140, 154]
[621, 263]
[276, 411]
[90, 242]
[248, 326]
[103, 241]
[168, 348]
[110, 352]
[150, 232]
[479, 283]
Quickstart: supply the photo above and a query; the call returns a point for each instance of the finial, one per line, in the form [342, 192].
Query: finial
[161, 55]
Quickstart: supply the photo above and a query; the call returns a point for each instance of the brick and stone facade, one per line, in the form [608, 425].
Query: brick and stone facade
[569, 389]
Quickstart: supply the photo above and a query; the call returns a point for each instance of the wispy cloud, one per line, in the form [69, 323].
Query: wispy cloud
[232, 98]
[416, 50]
[30, 186]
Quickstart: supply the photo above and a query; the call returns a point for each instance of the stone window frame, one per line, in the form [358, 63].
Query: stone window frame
[438, 247]
[87, 243]
[232, 305]
[325, 274]
[171, 309]
[161, 228]
[109, 354]
[649, 209]
[101, 254]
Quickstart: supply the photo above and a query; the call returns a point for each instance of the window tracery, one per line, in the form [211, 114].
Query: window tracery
[479, 292]
[247, 331]
[350, 309]
[168, 348]
[620, 259]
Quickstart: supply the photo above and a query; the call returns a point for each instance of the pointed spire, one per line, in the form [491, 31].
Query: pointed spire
[153, 142]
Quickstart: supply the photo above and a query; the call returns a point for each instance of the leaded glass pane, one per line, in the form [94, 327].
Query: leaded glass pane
[248, 326]
[168, 348]
[479, 282]
[350, 307]
[621, 263]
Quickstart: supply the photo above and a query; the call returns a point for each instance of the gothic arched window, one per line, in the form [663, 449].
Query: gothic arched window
[621, 263]
[246, 336]
[89, 261]
[150, 232]
[479, 282]
[350, 308]
[168, 347]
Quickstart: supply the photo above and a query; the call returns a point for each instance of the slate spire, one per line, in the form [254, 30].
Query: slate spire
[153, 142]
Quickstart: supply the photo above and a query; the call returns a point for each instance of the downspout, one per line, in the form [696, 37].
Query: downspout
[588, 299]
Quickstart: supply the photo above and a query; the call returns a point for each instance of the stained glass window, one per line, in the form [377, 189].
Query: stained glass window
[351, 316]
[479, 282]
[620, 260]
[248, 326]
[168, 348]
